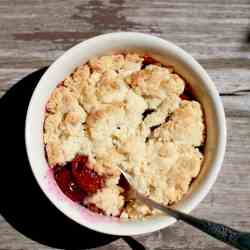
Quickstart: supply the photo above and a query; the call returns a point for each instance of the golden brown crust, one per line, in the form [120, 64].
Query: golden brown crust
[155, 82]
[185, 126]
[99, 111]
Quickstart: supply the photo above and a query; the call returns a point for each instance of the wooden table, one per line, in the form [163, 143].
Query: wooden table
[217, 33]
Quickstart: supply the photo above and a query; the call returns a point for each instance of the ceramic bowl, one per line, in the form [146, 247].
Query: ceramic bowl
[167, 53]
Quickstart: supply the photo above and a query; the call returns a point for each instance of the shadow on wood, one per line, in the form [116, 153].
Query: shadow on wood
[23, 204]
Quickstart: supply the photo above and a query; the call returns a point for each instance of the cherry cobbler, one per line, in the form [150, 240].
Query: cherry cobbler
[125, 110]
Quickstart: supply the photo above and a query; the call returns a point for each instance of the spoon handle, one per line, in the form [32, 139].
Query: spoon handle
[239, 240]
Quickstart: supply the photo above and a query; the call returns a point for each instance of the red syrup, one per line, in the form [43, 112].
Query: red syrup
[123, 183]
[187, 93]
[147, 60]
[77, 179]
[86, 178]
[92, 207]
[67, 184]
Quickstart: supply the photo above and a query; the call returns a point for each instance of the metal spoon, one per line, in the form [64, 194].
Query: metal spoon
[237, 239]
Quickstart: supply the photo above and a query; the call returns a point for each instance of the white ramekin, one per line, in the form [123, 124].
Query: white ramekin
[164, 51]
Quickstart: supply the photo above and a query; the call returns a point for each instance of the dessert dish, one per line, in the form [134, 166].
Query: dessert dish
[129, 110]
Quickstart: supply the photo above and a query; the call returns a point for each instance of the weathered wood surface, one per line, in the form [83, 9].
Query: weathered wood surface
[217, 33]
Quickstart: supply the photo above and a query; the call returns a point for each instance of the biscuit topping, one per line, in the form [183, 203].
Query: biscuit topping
[130, 111]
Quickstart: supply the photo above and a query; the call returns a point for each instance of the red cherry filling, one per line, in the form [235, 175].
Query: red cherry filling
[123, 183]
[87, 179]
[187, 94]
[148, 60]
[92, 207]
[76, 178]
[67, 184]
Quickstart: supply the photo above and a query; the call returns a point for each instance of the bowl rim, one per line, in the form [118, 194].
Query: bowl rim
[206, 184]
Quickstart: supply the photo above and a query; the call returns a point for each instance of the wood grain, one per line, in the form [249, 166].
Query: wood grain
[216, 33]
